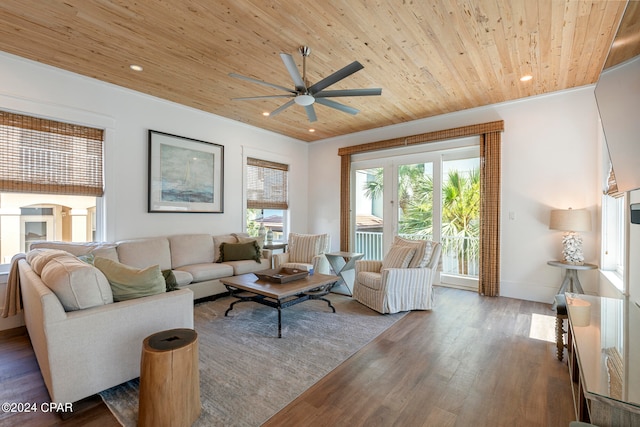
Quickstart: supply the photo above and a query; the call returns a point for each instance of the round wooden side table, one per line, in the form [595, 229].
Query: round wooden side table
[169, 379]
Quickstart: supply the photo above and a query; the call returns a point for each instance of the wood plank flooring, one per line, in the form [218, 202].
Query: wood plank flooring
[469, 362]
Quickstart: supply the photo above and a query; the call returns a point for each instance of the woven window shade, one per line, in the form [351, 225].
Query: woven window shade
[48, 157]
[266, 184]
[612, 185]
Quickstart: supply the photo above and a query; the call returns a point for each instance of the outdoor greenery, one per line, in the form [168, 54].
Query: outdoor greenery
[460, 208]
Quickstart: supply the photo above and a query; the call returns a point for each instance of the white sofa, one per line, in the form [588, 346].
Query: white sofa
[82, 351]
[192, 257]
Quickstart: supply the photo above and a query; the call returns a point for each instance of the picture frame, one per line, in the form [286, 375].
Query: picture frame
[185, 174]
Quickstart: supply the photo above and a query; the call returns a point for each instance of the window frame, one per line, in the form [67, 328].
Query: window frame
[248, 152]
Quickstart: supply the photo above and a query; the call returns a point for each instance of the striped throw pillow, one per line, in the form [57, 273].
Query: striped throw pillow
[398, 257]
[423, 248]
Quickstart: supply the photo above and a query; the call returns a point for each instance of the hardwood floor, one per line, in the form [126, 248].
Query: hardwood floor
[469, 362]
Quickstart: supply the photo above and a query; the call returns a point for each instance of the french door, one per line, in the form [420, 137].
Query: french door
[432, 196]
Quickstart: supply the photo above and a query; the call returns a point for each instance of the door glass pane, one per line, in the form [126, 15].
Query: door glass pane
[460, 216]
[369, 217]
[415, 201]
[34, 230]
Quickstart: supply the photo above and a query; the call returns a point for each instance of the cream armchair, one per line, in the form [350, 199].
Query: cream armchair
[306, 251]
[402, 281]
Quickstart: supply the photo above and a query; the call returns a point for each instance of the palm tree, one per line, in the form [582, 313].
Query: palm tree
[461, 213]
[460, 207]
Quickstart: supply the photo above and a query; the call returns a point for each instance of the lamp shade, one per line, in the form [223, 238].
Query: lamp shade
[570, 220]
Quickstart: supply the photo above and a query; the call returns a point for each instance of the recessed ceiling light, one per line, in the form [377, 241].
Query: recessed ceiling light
[312, 130]
[526, 78]
[266, 114]
[135, 67]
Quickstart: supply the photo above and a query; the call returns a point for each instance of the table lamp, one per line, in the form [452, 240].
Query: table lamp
[570, 221]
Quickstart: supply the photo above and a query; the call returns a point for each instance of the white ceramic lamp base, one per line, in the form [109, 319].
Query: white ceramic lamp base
[572, 248]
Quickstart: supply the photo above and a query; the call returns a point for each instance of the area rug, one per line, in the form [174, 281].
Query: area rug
[247, 374]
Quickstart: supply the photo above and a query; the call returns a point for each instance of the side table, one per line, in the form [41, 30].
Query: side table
[343, 264]
[169, 379]
[571, 283]
[274, 246]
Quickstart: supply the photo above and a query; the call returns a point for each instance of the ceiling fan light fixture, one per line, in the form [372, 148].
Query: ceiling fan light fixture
[304, 100]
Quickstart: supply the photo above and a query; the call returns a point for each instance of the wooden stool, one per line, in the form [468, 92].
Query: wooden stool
[561, 314]
[169, 379]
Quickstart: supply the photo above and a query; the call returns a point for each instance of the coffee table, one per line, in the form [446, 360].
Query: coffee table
[247, 287]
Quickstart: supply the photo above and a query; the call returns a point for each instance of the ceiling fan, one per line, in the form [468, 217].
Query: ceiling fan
[307, 95]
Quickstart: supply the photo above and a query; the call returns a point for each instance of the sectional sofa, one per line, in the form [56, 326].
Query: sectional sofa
[83, 341]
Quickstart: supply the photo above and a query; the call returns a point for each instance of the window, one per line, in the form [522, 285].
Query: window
[613, 233]
[50, 182]
[267, 198]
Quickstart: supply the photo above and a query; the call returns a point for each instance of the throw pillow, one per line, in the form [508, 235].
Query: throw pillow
[423, 251]
[170, 280]
[303, 247]
[239, 251]
[130, 282]
[77, 284]
[244, 239]
[398, 257]
[38, 258]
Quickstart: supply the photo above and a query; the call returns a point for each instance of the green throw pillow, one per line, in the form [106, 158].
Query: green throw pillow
[239, 251]
[88, 258]
[170, 280]
[130, 282]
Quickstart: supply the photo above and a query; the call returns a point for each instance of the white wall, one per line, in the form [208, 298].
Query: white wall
[31, 88]
[550, 153]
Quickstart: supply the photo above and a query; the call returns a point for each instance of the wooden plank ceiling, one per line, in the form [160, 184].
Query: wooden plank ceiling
[429, 57]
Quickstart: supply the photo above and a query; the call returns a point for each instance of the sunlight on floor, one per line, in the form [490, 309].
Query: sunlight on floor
[543, 327]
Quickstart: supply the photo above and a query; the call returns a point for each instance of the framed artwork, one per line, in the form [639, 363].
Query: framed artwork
[185, 175]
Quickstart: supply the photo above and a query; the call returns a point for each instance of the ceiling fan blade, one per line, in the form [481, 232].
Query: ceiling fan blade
[348, 92]
[281, 108]
[260, 82]
[293, 71]
[251, 98]
[335, 77]
[337, 106]
[311, 113]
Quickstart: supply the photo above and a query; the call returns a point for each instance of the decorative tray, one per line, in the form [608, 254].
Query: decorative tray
[282, 275]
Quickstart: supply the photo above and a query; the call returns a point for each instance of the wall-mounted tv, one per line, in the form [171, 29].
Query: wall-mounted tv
[618, 98]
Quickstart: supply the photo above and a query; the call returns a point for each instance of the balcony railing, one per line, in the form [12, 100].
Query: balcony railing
[459, 254]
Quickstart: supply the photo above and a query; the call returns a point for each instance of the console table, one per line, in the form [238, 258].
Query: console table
[603, 362]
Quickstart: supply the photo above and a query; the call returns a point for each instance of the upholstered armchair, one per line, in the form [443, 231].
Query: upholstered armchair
[402, 281]
[305, 251]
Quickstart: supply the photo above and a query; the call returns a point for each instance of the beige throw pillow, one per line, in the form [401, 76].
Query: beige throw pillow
[77, 284]
[130, 282]
[244, 238]
[423, 248]
[38, 258]
[398, 257]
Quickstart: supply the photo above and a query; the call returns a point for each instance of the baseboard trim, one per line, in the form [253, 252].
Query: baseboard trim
[13, 332]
